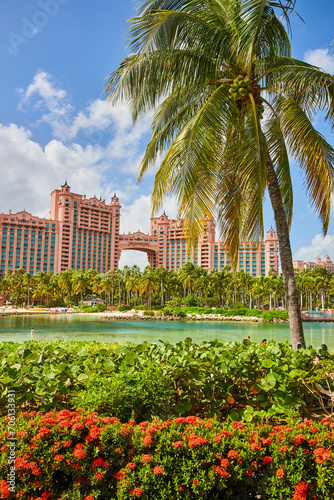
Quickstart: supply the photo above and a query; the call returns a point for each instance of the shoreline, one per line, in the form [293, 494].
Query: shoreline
[138, 316]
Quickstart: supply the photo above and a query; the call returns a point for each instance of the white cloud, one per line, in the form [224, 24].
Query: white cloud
[100, 115]
[320, 246]
[30, 172]
[100, 124]
[321, 58]
[136, 216]
[131, 257]
[54, 99]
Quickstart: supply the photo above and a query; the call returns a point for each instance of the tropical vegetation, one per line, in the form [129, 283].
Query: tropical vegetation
[155, 289]
[238, 380]
[231, 107]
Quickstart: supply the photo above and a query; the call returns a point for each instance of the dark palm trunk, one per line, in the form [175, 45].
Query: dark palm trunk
[162, 292]
[296, 327]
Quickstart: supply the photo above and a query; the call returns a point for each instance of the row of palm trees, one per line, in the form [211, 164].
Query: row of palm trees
[190, 285]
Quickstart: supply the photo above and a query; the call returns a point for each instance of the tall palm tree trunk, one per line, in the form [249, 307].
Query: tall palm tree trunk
[296, 326]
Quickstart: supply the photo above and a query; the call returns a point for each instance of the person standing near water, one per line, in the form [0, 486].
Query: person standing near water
[32, 331]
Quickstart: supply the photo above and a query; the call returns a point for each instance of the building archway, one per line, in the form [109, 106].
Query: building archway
[140, 242]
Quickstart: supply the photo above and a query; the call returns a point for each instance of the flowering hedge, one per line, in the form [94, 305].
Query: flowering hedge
[80, 456]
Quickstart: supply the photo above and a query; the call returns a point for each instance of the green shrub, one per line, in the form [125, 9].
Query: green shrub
[141, 308]
[149, 313]
[89, 309]
[141, 395]
[190, 300]
[101, 307]
[175, 302]
[244, 380]
[123, 308]
[244, 311]
[275, 314]
[178, 312]
[168, 311]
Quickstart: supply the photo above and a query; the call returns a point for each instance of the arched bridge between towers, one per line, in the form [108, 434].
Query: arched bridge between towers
[141, 242]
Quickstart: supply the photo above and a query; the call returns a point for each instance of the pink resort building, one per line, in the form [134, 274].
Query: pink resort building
[84, 234]
[326, 263]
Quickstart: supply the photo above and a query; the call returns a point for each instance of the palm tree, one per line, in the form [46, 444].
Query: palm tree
[107, 285]
[65, 282]
[80, 284]
[27, 282]
[211, 70]
[18, 285]
[161, 273]
[132, 285]
[173, 285]
[187, 275]
[259, 290]
[147, 284]
[118, 274]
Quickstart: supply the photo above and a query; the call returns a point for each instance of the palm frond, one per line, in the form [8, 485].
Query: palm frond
[315, 155]
[188, 170]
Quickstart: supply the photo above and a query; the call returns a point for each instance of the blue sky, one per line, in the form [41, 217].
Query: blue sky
[56, 124]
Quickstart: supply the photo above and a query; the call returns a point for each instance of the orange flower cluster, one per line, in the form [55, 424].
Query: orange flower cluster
[4, 489]
[321, 454]
[77, 445]
[195, 440]
[136, 492]
[301, 491]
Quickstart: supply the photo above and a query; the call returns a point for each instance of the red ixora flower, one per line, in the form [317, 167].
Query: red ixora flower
[280, 473]
[99, 475]
[147, 441]
[267, 460]
[298, 439]
[195, 481]
[120, 474]
[158, 470]
[195, 440]
[146, 459]
[79, 453]
[136, 491]
[4, 489]
[177, 444]
[131, 465]
[301, 490]
[233, 454]
[321, 454]
[221, 471]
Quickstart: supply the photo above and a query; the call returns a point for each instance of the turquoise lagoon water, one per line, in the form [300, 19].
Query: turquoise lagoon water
[81, 327]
